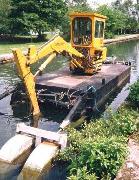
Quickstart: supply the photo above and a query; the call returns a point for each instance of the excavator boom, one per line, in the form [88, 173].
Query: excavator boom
[56, 46]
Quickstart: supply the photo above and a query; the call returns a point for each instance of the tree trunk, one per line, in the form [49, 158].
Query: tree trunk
[41, 36]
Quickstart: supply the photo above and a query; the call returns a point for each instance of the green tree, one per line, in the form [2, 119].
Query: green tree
[131, 12]
[37, 16]
[128, 6]
[136, 12]
[4, 12]
[73, 6]
[116, 21]
[79, 6]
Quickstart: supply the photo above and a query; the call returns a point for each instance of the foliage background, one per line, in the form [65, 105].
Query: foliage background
[23, 17]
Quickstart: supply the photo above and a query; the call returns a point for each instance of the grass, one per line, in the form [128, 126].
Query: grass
[5, 47]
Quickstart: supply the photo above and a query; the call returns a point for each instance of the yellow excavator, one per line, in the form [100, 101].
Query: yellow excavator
[86, 52]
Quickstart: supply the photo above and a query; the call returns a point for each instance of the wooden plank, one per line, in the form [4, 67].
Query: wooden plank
[59, 138]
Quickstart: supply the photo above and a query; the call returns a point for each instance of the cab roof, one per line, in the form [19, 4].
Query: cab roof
[85, 14]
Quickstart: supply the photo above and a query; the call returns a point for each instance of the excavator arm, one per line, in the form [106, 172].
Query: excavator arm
[55, 46]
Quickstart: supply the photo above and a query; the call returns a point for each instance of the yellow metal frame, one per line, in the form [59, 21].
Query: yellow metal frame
[97, 44]
[93, 17]
[56, 46]
[28, 80]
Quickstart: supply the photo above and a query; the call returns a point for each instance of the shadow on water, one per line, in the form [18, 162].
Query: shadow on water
[10, 117]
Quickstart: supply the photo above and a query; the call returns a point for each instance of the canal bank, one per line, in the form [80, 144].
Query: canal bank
[122, 38]
[107, 143]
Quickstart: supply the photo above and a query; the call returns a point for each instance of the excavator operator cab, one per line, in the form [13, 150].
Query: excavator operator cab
[86, 28]
[82, 31]
[87, 35]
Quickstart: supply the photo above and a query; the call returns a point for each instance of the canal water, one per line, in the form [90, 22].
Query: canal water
[128, 51]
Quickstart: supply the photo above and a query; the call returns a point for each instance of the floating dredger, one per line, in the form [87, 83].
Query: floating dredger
[82, 86]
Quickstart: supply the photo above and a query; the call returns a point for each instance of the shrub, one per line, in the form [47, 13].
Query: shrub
[121, 123]
[100, 147]
[102, 157]
[133, 97]
[109, 35]
[82, 174]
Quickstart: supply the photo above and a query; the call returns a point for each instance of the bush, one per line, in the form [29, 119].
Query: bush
[102, 157]
[100, 147]
[109, 35]
[133, 97]
[82, 174]
[121, 123]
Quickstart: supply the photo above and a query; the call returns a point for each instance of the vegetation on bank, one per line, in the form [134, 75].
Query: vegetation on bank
[123, 17]
[38, 17]
[133, 97]
[6, 47]
[99, 149]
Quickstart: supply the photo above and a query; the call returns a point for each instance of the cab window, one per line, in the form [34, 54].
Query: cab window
[82, 31]
[99, 29]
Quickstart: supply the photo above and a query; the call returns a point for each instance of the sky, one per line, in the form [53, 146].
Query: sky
[94, 2]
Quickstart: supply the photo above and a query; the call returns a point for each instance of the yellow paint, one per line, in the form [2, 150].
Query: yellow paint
[92, 43]
[87, 53]
[28, 79]
[77, 63]
[56, 46]
[43, 66]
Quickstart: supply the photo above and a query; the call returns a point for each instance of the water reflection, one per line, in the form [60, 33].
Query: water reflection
[128, 51]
